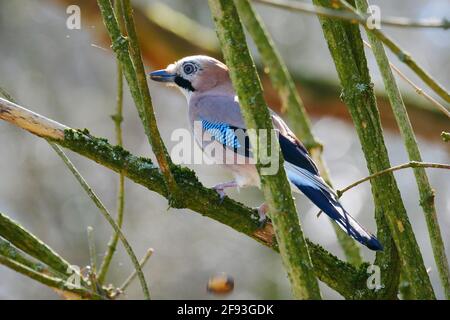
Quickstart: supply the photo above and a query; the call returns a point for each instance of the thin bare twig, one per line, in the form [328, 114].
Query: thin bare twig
[412, 164]
[441, 23]
[403, 56]
[337, 274]
[131, 277]
[117, 118]
[417, 89]
[356, 17]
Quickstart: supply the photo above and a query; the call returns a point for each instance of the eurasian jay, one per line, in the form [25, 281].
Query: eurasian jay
[212, 102]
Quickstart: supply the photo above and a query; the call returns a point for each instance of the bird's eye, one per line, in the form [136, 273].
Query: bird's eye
[189, 68]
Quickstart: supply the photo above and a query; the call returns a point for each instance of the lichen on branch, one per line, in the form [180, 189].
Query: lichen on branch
[340, 276]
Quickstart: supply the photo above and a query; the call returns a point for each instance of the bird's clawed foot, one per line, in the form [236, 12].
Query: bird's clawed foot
[220, 189]
[221, 193]
[262, 213]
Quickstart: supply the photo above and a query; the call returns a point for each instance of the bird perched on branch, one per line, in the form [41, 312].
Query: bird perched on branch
[214, 107]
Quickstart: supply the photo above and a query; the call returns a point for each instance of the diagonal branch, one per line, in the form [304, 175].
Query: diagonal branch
[292, 104]
[416, 88]
[49, 269]
[426, 192]
[403, 57]
[347, 50]
[355, 17]
[412, 164]
[30, 244]
[131, 277]
[275, 186]
[48, 280]
[340, 276]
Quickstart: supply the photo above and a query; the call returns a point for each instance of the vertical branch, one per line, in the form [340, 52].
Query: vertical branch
[340, 276]
[346, 47]
[292, 104]
[362, 19]
[128, 53]
[425, 190]
[276, 189]
[117, 118]
[411, 63]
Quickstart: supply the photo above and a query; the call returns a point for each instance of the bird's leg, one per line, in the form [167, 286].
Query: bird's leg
[262, 213]
[220, 188]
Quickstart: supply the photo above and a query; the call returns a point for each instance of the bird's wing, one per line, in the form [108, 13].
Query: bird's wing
[303, 173]
[220, 117]
[321, 195]
[217, 108]
[292, 148]
[229, 136]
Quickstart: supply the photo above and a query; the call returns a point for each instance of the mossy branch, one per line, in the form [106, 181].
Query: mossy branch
[49, 269]
[292, 104]
[276, 188]
[355, 17]
[425, 190]
[403, 56]
[30, 244]
[8, 250]
[340, 276]
[128, 53]
[416, 88]
[346, 47]
[48, 280]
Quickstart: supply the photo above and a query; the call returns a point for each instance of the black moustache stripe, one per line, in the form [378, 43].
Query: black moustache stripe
[183, 83]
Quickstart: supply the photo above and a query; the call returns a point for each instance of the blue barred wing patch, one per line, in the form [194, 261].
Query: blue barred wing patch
[222, 133]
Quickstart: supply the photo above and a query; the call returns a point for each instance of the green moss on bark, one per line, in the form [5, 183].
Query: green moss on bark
[276, 189]
[425, 190]
[292, 104]
[346, 47]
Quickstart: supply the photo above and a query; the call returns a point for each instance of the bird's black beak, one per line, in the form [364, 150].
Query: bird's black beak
[162, 76]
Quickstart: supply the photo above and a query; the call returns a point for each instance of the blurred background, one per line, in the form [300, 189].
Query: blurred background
[70, 76]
